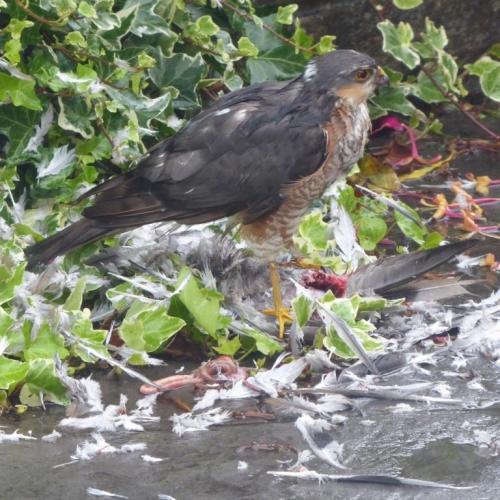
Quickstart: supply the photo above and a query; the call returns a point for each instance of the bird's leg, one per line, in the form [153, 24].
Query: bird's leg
[282, 313]
[303, 263]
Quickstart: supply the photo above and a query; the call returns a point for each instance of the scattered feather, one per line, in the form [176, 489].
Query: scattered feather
[242, 465]
[279, 377]
[238, 391]
[102, 493]
[4, 343]
[370, 479]
[149, 458]
[347, 335]
[312, 430]
[41, 130]
[14, 437]
[115, 417]
[90, 449]
[62, 158]
[344, 234]
[319, 361]
[401, 408]
[52, 437]
[188, 422]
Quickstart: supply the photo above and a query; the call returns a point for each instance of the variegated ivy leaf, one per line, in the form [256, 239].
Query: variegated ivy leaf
[397, 41]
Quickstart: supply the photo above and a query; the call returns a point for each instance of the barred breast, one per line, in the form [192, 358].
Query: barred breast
[346, 134]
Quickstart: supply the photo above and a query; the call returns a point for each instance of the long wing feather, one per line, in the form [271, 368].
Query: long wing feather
[236, 156]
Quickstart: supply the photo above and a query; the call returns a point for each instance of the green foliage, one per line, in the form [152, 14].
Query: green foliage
[437, 71]
[146, 327]
[488, 71]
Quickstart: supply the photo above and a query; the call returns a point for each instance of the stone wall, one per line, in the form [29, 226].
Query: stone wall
[472, 25]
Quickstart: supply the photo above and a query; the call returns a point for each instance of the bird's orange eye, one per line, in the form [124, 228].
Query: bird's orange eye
[363, 74]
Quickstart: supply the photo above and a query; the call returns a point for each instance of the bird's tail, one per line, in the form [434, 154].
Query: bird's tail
[397, 270]
[77, 234]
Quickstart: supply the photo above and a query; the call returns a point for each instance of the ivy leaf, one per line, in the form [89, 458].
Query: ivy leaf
[47, 344]
[74, 301]
[488, 71]
[6, 322]
[426, 90]
[75, 116]
[145, 108]
[281, 63]
[147, 22]
[371, 230]
[12, 372]
[113, 34]
[205, 26]
[314, 232]
[10, 278]
[87, 10]
[182, 72]
[147, 326]
[229, 347]
[76, 39]
[201, 303]
[449, 68]
[264, 343]
[285, 14]
[397, 42]
[64, 8]
[18, 125]
[261, 38]
[432, 240]
[394, 99]
[409, 228]
[13, 47]
[434, 37]
[84, 330]
[490, 84]
[41, 377]
[348, 309]
[374, 303]
[247, 48]
[336, 345]
[20, 92]
[302, 309]
[407, 4]
[377, 173]
[325, 44]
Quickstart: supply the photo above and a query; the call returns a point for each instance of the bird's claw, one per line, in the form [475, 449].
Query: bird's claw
[284, 317]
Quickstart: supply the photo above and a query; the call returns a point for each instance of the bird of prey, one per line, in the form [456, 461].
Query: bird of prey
[261, 155]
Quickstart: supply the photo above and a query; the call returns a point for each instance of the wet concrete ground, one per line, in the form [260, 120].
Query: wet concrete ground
[431, 442]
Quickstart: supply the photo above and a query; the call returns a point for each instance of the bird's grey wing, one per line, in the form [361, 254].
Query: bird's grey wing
[237, 156]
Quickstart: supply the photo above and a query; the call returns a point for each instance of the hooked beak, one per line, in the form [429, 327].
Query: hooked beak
[381, 79]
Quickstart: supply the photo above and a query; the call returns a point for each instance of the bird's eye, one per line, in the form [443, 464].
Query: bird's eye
[363, 74]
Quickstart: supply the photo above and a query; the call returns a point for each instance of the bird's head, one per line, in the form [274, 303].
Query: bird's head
[348, 74]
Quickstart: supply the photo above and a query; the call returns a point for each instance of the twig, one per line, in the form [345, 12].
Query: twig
[40, 19]
[100, 126]
[456, 102]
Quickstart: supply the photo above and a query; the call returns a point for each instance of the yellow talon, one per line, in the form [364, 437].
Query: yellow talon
[282, 314]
